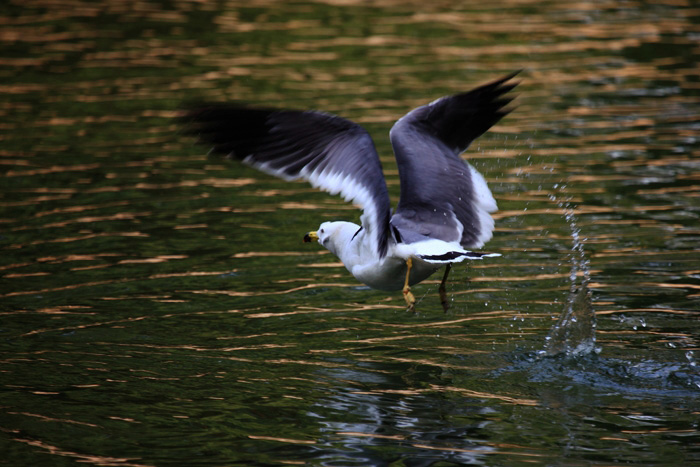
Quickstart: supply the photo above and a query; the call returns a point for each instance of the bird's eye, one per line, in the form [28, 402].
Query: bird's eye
[323, 231]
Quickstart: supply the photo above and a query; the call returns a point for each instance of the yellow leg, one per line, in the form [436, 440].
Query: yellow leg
[441, 289]
[410, 299]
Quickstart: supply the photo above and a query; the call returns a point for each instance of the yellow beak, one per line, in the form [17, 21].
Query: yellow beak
[310, 237]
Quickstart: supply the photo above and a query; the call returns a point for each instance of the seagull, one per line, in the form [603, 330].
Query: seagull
[444, 206]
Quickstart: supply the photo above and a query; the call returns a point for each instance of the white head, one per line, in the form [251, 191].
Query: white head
[335, 236]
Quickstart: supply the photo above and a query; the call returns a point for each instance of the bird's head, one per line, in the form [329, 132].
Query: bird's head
[333, 235]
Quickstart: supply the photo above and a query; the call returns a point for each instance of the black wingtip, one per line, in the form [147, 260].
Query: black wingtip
[495, 90]
[231, 129]
[506, 79]
[459, 119]
[502, 85]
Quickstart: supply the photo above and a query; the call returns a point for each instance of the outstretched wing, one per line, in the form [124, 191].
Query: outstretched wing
[333, 154]
[442, 196]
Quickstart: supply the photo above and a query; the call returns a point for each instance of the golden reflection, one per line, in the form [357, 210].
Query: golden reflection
[276, 192]
[265, 254]
[89, 220]
[257, 226]
[420, 361]
[478, 451]
[336, 264]
[52, 170]
[676, 160]
[80, 238]
[692, 190]
[286, 361]
[370, 435]
[669, 286]
[80, 208]
[532, 277]
[647, 310]
[560, 212]
[501, 314]
[375, 340]
[190, 226]
[484, 395]
[55, 289]
[236, 210]
[51, 419]
[155, 259]
[233, 293]
[639, 222]
[532, 48]
[83, 458]
[117, 281]
[21, 88]
[62, 310]
[122, 419]
[26, 274]
[75, 257]
[253, 336]
[630, 253]
[314, 206]
[191, 274]
[211, 182]
[303, 310]
[282, 440]
[658, 430]
[34, 201]
[84, 326]
[461, 391]
[254, 347]
[328, 331]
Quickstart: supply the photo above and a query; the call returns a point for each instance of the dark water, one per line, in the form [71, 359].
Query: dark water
[158, 307]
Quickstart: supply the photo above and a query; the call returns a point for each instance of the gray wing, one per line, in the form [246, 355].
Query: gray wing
[333, 154]
[442, 196]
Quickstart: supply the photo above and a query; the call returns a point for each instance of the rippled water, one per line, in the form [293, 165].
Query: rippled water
[158, 307]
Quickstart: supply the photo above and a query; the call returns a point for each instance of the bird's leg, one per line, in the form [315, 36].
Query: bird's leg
[410, 299]
[441, 289]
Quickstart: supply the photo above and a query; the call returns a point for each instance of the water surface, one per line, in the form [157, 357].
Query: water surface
[159, 308]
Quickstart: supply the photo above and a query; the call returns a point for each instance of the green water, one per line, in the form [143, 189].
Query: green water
[157, 306]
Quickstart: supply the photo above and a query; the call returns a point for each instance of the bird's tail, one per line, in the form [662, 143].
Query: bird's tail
[456, 256]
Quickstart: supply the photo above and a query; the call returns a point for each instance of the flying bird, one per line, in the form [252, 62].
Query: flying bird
[444, 205]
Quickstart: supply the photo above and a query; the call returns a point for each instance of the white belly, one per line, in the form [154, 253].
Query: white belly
[390, 273]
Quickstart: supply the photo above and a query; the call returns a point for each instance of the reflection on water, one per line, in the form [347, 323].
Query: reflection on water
[158, 307]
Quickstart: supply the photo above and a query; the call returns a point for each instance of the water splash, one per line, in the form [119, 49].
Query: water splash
[574, 333]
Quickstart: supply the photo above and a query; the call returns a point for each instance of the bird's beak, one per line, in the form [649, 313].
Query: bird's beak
[310, 237]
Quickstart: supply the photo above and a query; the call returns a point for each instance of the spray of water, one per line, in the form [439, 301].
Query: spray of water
[574, 332]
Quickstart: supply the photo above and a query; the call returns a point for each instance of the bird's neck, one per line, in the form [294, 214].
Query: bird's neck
[347, 242]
